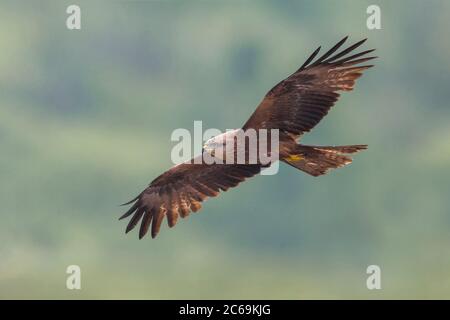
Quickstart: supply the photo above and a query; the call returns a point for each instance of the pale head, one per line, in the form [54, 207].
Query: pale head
[217, 144]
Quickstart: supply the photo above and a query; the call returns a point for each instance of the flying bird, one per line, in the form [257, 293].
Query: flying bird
[294, 106]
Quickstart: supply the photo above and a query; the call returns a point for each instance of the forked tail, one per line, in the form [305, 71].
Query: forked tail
[318, 160]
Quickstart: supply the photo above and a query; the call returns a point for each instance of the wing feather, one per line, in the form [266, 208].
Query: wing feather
[157, 220]
[298, 103]
[135, 219]
[146, 220]
[181, 190]
[331, 51]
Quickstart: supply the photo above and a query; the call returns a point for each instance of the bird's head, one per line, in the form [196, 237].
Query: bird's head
[212, 146]
[217, 145]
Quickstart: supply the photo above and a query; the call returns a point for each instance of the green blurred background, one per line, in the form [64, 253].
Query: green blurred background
[85, 124]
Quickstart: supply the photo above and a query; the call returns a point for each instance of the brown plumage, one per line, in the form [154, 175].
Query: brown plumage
[181, 190]
[299, 102]
[294, 106]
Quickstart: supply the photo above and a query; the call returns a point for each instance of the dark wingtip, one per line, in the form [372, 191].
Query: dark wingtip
[154, 234]
[131, 201]
[327, 57]
[129, 228]
[345, 51]
[360, 42]
[130, 211]
[143, 230]
[344, 39]
[127, 203]
[123, 216]
[310, 58]
[330, 51]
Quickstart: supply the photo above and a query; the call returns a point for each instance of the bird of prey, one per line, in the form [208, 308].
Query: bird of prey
[294, 106]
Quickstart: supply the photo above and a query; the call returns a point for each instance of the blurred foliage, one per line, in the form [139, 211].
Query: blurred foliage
[85, 124]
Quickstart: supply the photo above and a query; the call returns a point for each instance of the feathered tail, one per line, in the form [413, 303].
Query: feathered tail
[318, 160]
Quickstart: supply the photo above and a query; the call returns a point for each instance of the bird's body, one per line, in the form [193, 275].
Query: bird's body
[293, 107]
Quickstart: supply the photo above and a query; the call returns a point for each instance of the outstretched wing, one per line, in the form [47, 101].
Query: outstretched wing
[299, 102]
[180, 190]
